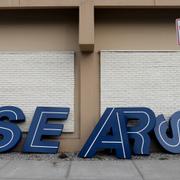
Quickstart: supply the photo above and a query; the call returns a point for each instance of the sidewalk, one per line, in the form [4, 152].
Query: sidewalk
[90, 170]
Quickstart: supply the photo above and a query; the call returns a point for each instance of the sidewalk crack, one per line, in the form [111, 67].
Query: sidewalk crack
[138, 170]
[69, 169]
[5, 164]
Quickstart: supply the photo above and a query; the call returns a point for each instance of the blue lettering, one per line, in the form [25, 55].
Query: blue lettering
[11, 134]
[140, 132]
[109, 133]
[115, 119]
[169, 140]
[39, 128]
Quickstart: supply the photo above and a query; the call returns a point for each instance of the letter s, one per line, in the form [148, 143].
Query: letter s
[11, 134]
[170, 143]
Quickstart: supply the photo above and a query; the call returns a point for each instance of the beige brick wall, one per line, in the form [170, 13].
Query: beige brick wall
[31, 79]
[131, 79]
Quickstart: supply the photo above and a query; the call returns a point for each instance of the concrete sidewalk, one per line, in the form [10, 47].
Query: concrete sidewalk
[90, 170]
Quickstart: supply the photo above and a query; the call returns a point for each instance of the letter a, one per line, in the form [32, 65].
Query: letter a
[109, 133]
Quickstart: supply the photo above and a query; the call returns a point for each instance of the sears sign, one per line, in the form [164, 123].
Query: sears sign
[9, 115]
[111, 132]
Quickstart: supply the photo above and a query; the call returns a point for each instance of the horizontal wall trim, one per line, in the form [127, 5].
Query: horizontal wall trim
[36, 52]
[139, 51]
[76, 3]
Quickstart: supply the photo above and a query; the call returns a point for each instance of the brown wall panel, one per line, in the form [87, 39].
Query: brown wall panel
[149, 29]
[39, 30]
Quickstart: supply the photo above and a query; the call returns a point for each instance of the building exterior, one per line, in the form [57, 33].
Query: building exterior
[87, 55]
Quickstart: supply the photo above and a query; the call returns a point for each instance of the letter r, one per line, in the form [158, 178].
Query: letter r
[140, 132]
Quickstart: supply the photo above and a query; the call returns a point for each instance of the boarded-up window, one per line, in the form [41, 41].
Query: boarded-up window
[131, 79]
[31, 79]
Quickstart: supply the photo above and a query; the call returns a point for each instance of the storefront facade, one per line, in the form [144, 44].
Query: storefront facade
[88, 55]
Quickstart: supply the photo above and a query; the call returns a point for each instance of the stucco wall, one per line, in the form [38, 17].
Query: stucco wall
[117, 29]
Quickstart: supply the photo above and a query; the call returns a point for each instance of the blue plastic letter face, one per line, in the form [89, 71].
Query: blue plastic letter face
[39, 128]
[10, 132]
[112, 120]
[146, 122]
[171, 144]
